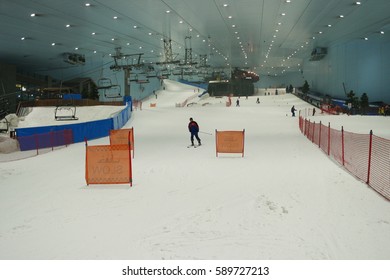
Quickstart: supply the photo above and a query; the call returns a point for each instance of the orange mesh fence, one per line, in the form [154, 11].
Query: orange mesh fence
[366, 156]
[46, 140]
[324, 139]
[380, 166]
[137, 104]
[122, 137]
[108, 164]
[230, 141]
[336, 146]
[356, 154]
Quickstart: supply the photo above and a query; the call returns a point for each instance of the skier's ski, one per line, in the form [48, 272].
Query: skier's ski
[194, 146]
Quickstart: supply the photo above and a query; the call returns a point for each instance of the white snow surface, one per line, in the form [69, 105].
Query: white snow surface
[284, 200]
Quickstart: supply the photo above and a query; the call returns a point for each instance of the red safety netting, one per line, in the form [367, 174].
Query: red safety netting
[356, 154]
[42, 141]
[379, 178]
[366, 156]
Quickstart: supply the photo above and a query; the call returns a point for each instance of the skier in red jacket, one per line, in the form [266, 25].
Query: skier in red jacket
[193, 128]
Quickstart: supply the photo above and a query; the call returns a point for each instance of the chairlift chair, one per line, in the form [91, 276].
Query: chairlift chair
[113, 92]
[104, 83]
[65, 113]
[4, 126]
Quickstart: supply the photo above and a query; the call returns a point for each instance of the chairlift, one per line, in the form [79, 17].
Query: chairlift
[177, 72]
[113, 92]
[104, 83]
[133, 78]
[151, 75]
[164, 74]
[65, 113]
[4, 125]
[146, 81]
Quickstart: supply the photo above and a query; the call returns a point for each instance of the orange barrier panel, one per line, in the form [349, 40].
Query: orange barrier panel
[229, 141]
[152, 104]
[122, 137]
[108, 164]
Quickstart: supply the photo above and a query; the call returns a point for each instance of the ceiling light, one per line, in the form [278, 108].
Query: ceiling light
[329, 25]
[23, 38]
[167, 11]
[357, 3]
[135, 26]
[76, 48]
[87, 4]
[365, 38]
[115, 17]
[94, 51]
[341, 16]
[93, 33]
[225, 5]
[382, 32]
[67, 26]
[283, 14]
[230, 17]
[33, 15]
[53, 44]
[181, 21]
[150, 33]
[288, 1]
[233, 25]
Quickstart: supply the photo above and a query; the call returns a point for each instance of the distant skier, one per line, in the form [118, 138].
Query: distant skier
[314, 111]
[258, 100]
[293, 110]
[238, 103]
[193, 128]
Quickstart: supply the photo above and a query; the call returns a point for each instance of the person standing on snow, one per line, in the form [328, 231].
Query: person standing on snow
[293, 110]
[193, 128]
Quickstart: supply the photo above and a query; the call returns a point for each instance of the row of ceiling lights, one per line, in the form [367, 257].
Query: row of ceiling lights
[236, 33]
[135, 27]
[214, 49]
[357, 3]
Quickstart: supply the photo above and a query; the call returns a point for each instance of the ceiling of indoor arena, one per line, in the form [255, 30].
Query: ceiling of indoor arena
[268, 36]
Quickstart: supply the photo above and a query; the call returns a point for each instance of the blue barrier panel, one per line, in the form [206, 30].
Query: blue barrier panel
[70, 96]
[29, 131]
[201, 85]
[27, 143]
[127, 100]
[45, 140]
[88, 130]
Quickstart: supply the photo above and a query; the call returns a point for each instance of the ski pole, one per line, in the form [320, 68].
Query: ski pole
[205, 133]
